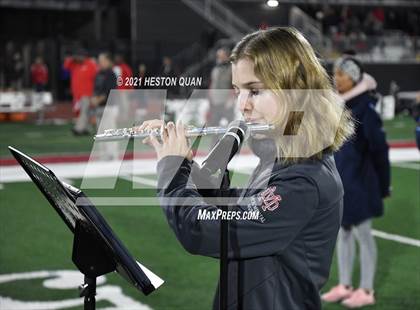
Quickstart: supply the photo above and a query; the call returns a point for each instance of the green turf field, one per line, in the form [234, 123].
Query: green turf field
[34, 238]
[42, 139]
[400, 128]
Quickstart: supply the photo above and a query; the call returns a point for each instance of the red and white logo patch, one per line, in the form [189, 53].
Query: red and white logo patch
[269, 200]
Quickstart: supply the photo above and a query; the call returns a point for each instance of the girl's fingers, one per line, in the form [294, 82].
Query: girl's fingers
[142, 126]
[180, 130]
[164, 132]
[171, 131]
[156, 123]
[154, 142]
[150, 124]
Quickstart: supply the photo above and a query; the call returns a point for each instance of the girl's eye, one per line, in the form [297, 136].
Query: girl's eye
[254, 92]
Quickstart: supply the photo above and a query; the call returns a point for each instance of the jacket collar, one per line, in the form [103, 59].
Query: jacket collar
[363, 98]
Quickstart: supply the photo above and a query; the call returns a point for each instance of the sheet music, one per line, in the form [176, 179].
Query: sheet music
[154, 279]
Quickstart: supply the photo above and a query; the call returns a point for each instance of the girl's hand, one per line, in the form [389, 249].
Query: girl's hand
[174, 141]
[149, 125]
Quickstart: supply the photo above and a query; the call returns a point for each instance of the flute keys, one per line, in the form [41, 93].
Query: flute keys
[145, 133]
[191, 131]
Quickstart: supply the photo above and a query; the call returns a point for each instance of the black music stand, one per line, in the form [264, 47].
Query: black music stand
[224, 261]
[207, 185]
[96, 249]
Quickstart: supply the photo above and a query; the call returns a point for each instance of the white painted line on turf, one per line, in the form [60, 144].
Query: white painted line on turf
[415, 166]
[66, 279]
[139, 180]
[1, 186]
[396, 238]
[404, 154]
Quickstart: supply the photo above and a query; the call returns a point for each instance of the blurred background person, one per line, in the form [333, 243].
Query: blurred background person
[363, 164]
[123, 71]
[39, 74]
[167, 70]
[105, 81]
[142, 73]
[366, 84]
[221, 111]
[82, 76]
[125, 81]
[14, 69]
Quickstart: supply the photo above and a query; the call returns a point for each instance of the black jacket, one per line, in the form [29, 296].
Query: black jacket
[105, 80]
[363, 163]
[279, 262]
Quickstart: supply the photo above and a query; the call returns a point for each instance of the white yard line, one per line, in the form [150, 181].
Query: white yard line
[404, 154]
[139, 180]
[396, 238]
[415, 166]
[66, 279]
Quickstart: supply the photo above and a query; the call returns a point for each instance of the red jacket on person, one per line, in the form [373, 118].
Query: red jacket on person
[123, 71]
[82, 77]
[39, 74]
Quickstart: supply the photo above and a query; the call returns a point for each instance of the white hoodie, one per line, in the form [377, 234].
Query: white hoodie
[367, 83]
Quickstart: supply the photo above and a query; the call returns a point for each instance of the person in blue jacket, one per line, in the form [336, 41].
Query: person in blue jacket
[363, 164]
[281, 259]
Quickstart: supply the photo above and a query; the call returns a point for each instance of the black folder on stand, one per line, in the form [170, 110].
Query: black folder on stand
[96, 248]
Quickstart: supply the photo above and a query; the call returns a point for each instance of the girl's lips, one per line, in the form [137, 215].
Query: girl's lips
[257, 121]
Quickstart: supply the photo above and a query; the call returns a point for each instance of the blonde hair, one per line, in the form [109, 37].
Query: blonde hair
[286, 63]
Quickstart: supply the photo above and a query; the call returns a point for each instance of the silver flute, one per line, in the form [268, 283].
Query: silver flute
[191, 131]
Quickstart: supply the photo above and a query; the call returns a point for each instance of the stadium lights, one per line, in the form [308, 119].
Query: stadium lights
[272, 3]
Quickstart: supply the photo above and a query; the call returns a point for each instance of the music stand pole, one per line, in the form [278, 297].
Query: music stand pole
[224, 232]
[88, 290]
[92, 259]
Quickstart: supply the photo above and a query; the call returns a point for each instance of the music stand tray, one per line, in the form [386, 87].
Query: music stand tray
[96, 248]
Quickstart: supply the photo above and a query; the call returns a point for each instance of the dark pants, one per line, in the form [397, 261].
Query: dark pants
[39, 88]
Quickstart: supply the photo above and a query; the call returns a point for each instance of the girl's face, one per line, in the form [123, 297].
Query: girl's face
[343, 82]
[256, 103]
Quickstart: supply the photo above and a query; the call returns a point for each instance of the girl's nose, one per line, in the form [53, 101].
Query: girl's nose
[244, 102]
